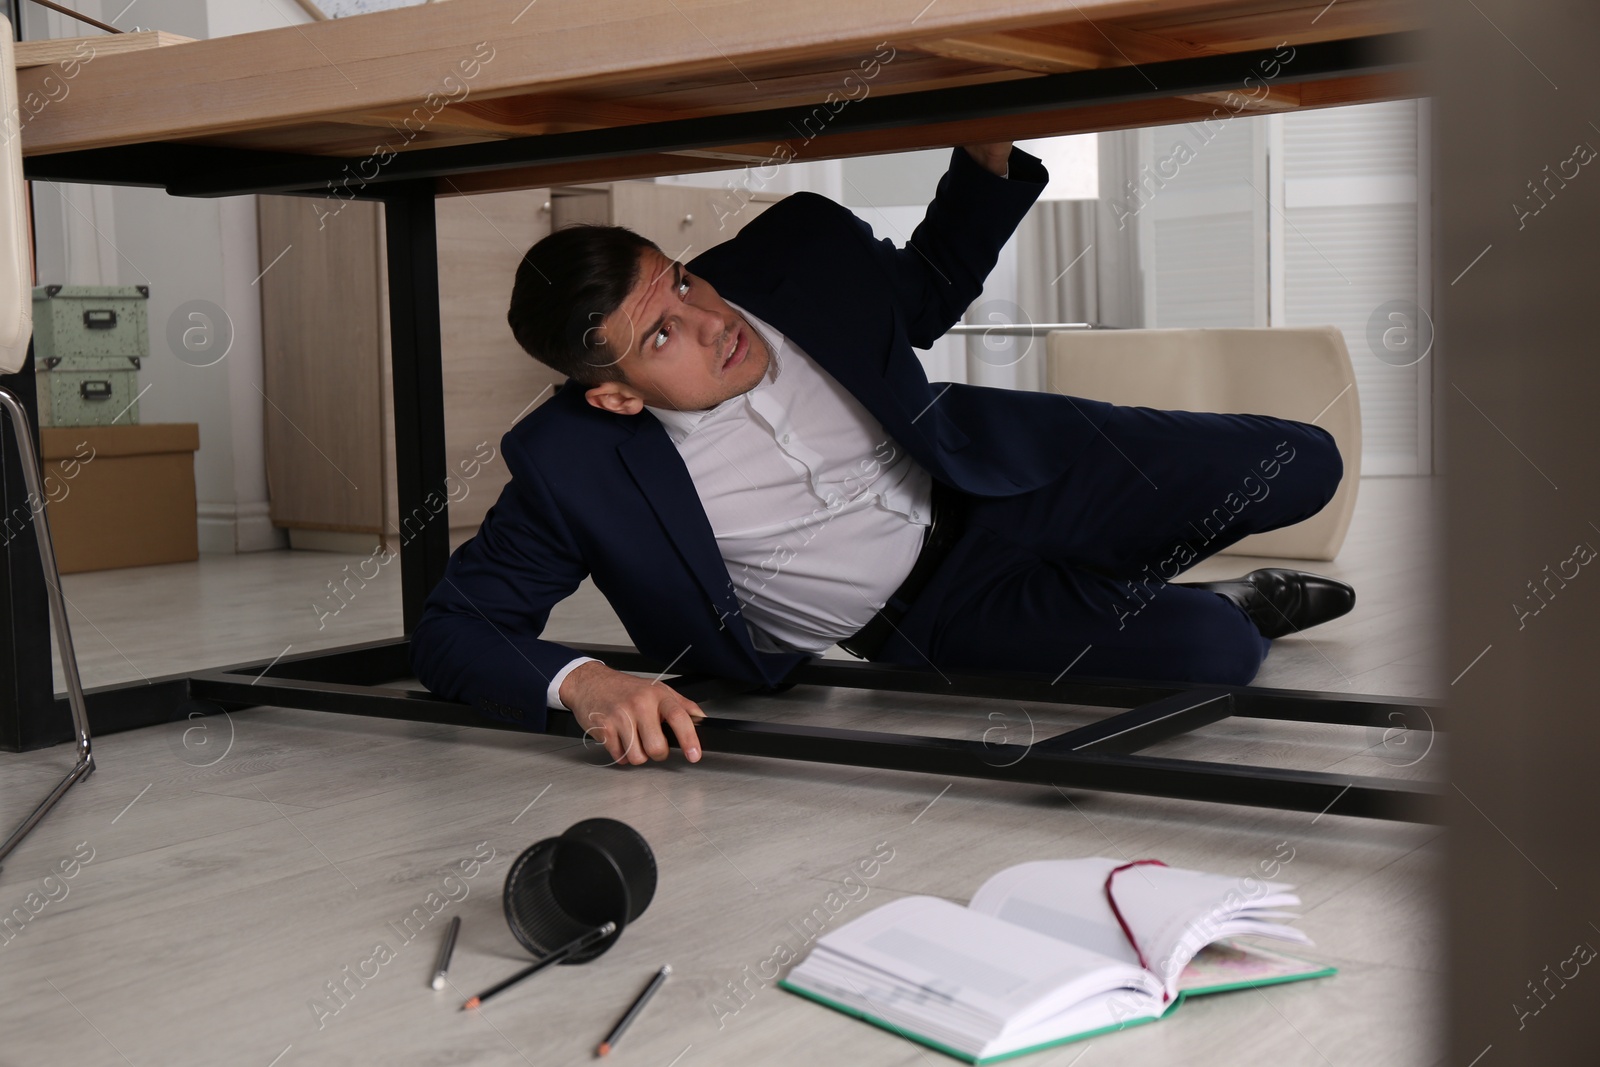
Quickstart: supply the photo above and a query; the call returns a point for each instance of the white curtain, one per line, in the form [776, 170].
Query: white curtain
[1070, 261]
[1058, 276]
[1054, 279]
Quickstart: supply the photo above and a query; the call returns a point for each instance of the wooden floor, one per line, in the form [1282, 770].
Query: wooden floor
[241, 865]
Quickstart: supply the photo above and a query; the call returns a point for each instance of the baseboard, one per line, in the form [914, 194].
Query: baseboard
[362, 544]
[234, 528]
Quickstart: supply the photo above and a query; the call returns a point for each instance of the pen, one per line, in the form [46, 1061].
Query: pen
[445, 950]
[576, 945]
[638, 1005]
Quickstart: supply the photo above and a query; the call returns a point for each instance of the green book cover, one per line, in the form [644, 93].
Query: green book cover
[1219, 968]
[957, 1053]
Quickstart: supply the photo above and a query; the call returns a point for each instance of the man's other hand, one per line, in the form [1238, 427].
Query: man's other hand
[992, 156]
[625, 713]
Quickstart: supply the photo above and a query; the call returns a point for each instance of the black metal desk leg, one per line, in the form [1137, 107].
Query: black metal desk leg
[416, 351]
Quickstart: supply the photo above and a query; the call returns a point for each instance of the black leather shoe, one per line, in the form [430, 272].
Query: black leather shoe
[1281, 601]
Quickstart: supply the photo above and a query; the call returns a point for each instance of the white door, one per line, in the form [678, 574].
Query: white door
[1200, 198]
[1352, 251]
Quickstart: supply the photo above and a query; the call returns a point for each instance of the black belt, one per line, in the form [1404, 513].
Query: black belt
[946, 524]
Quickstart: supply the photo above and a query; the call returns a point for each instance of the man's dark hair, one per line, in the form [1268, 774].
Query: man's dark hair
[566, 286]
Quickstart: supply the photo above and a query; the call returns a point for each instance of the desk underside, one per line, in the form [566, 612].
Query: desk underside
[341, 88]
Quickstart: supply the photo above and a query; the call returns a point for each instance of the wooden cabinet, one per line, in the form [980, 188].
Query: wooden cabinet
[683, 220]
[489, 381]
[325, 336]
[321, 383]
[325, 323]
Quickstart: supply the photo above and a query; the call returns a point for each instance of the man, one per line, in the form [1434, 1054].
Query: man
[750, 461]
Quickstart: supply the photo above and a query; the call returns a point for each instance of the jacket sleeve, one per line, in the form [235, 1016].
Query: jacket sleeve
[941, 270]
[477, 641]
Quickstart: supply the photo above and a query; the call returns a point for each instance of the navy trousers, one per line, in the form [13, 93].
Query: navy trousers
[1074, 577]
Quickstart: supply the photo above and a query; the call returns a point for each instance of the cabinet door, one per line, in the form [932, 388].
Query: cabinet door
[322, 342]
[683, 220]
[330, 447]
[489, 381]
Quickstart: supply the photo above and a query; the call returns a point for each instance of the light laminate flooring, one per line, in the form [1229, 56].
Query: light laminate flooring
[145, 622]
[239, 871]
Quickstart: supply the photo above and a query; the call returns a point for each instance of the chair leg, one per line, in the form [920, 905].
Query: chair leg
[58, 609]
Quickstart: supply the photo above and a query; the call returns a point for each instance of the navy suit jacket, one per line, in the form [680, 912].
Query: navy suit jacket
[594, 493]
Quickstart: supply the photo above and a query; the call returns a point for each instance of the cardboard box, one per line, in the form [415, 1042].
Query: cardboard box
[121, 496]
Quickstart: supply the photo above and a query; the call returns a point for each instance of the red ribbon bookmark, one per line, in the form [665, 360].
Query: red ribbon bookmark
[1116, 911]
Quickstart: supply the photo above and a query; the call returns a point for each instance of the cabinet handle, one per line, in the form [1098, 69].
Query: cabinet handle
[545, 206]
[688, 219]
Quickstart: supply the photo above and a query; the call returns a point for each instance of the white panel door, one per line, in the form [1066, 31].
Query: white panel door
[1352, 253]
[1201, 203]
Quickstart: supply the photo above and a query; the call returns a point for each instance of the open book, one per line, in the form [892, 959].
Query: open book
[1038, 957]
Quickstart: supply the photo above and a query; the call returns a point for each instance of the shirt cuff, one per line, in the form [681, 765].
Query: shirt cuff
[553, 694]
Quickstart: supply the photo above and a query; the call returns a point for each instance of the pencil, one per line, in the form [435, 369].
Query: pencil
[638, 1005]
[577, 945]
[445, 950]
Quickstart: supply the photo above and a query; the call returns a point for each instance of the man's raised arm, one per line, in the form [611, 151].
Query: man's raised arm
[979, 203]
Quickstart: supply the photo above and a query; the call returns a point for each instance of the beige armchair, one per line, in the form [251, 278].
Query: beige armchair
[1300, 373]
[16, 331]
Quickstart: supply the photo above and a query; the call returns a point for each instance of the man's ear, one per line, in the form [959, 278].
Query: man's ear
[615, 397]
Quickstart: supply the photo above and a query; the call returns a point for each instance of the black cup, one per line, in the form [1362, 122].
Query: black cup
[597, 871]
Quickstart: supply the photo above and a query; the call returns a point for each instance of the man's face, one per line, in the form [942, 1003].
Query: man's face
[678, 344]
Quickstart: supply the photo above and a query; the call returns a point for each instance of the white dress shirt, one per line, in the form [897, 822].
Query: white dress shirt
[818, 513]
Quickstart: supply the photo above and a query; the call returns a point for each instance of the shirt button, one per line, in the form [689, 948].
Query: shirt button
[785, 438]
[916, 516]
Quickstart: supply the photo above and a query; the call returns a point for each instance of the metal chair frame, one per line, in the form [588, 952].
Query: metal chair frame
[84, 764]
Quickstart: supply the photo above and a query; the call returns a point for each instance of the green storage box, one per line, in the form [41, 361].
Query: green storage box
[88, 344]
[88, 397]
[90, 327]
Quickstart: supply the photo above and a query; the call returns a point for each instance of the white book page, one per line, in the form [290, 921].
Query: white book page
[1116, 1008]
[943, 954]
[1063, 899]
[1228, 964]
[1172, 911]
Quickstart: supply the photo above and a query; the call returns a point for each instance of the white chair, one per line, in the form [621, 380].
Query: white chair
[16, 330]
[1300, 373]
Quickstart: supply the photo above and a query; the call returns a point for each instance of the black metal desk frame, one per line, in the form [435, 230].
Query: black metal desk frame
[355, 679]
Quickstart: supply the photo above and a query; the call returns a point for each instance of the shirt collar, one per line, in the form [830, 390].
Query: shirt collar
[680, 424]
